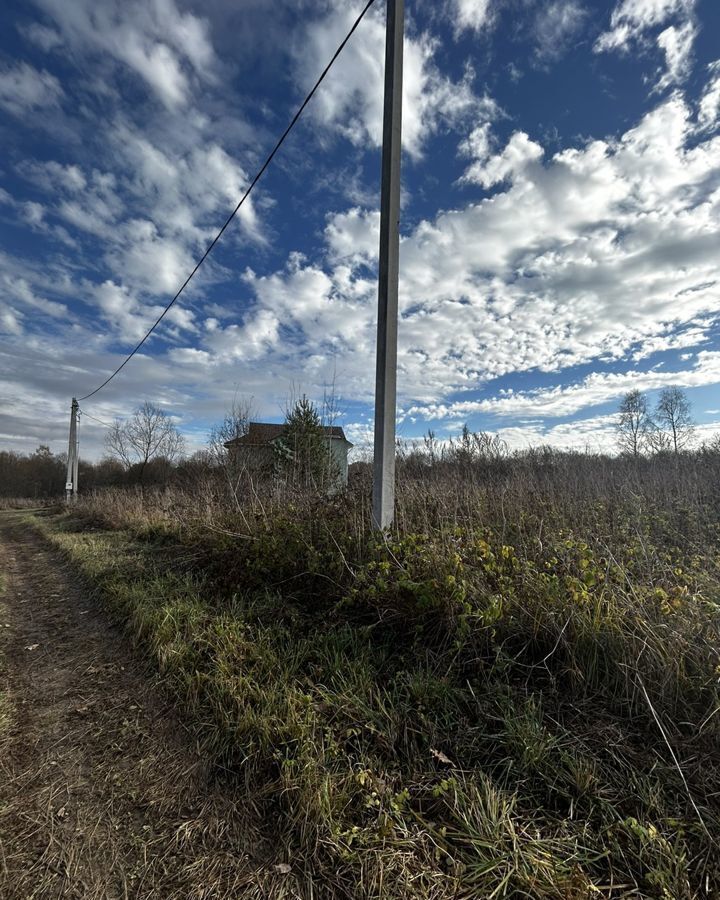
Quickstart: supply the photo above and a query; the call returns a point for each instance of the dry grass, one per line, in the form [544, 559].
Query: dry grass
[5, 704]
[515, 694]
[102, 794]
[26, 503]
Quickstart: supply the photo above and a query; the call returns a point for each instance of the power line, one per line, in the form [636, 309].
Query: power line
[242, 201]
[99, 421]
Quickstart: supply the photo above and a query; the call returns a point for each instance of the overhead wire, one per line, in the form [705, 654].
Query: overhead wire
[247, 193]
[99, 421]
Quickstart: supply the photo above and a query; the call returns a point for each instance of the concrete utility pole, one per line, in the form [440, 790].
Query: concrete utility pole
[386, 377]
[71, 480]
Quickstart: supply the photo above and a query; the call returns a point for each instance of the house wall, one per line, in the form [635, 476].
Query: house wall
[339, 452]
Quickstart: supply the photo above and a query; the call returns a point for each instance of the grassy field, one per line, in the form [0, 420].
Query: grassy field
[516, 694]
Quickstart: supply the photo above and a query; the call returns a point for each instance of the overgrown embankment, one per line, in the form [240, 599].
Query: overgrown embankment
[516, 694]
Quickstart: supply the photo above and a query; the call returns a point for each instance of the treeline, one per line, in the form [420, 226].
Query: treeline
[147, 451]
[41, 475]
[473, 458]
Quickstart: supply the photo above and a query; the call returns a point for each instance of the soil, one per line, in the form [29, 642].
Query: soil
[103, 793]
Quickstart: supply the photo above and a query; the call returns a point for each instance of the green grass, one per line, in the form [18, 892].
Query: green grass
[466, 710]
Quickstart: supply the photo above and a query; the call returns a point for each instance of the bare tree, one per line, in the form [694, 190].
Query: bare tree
[118, 445]
[634, 425]
[472, 447]
[231, 461]
[673, 415]
[148, 434]
[234, 425]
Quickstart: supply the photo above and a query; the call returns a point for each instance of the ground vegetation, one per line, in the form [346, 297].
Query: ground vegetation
[515, 692]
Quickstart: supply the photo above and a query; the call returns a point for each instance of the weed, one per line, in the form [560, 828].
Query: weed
[513, 694]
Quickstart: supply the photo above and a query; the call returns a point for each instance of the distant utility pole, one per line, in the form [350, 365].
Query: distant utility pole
[389, 272]
[71, 480]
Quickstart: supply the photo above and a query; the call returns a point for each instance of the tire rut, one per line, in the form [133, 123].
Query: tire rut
[102, 792]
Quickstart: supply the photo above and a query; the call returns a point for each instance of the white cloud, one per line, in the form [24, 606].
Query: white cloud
[46, 38]
[557, 24]
[632, 21]
[131, 316]
[10, 320]
[161, 68]
[188, 193]
[149, 260]
[162, 45]
[567, 400]
[352, 100]
[677, 44]
[24, 89]
[709, 110]
[17, 291]
[258, 335]
[606, 250]
[487, 170]
[694, 336]
[474, 15]
[632, 18]
[51, 175]
[354, 235]
[603, 251]
[597, 434]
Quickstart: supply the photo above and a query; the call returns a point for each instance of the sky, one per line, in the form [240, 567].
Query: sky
[560, 230]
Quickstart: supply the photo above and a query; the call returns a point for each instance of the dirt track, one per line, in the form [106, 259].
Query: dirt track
[102, 794]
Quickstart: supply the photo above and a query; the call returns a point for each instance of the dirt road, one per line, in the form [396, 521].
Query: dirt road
[102, 794]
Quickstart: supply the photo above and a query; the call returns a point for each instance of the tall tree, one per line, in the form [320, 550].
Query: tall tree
[673, 415]
[303, 453]
[147, 435]
[634, 425]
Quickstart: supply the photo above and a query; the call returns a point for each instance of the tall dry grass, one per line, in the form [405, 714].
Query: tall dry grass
[515, 692]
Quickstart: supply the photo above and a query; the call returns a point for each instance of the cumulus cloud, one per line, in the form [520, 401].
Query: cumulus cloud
[605, 250]
[540, 260]
[24, 89]
[633, 18]
[186, 192]
[602, 251]
[632, 21]
[18, 291]
[488, 170]
[352, 101]
[165, 47]
[189, 189]
[131, 316]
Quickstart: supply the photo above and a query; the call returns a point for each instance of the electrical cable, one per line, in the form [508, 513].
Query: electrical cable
[242, 201]
[99, 421]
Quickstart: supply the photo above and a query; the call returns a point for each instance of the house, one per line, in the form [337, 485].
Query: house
[264, 441]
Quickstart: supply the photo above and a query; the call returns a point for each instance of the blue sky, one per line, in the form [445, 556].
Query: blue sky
[560, 227]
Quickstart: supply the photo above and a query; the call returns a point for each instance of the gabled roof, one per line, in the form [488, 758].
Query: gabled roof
[260, 434]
